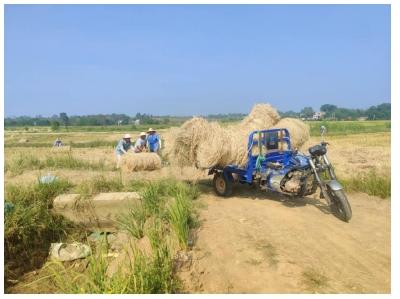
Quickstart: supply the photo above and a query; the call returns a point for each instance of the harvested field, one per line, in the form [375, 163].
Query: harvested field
[91, 170]
[61, 149]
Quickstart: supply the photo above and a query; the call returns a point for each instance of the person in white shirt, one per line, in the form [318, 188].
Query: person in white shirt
[140, 144]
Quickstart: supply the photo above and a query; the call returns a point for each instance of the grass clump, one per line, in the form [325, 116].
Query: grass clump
[180, 216]
[370, 183]
[134, 221]
[99, 184]
[29, 227]
[314, 280]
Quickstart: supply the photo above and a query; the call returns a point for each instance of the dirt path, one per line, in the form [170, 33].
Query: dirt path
[256, 243]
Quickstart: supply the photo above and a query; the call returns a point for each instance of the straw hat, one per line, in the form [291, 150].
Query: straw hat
[150, 130]
[127, 136]
[142, 134]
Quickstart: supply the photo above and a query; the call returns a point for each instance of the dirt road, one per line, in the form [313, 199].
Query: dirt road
[257, 243]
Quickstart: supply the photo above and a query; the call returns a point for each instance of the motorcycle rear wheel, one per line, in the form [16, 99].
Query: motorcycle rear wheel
[340, 204]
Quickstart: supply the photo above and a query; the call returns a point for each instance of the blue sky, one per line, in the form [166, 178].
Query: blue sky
[193, 59]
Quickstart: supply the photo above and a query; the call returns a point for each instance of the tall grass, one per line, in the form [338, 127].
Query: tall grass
[180, 214]
[370, 183]
[134, 220]
[165, 216]
[170, 202]
[30, 227]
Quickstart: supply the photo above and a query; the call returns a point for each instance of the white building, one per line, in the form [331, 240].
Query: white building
[318, 115]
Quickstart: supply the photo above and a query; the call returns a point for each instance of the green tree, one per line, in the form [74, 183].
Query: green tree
[307, 112]
[64, 117]
[55, 125]
[328, 108]
[381, 111]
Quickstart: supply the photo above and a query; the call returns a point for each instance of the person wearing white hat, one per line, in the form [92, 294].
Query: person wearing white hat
[153, 141]
[140, 144]
[122, 147]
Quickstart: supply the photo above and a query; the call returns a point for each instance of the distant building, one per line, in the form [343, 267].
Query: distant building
[362, 118]
[318, 115]
[137, 122]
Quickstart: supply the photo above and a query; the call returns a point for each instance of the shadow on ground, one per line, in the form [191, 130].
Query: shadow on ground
[252, 192]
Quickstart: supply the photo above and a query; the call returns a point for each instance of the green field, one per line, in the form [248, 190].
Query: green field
[350, 127]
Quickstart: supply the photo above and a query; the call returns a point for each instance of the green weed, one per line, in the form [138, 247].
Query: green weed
[134, 221]
[370, 183]
[179, 213]
[29, 227]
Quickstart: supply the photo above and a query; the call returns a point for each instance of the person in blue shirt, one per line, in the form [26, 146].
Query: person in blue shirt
[153, 141]
[122, 147]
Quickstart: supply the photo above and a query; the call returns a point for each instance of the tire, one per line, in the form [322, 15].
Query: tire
[222, 184]
[340, 204]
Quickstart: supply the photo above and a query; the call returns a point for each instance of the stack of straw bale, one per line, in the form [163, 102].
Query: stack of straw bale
[205, 144]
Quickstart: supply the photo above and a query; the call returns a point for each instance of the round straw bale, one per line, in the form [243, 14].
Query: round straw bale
[168, 140]
[216, 149]
[141, 161]
[298, 130]
[192, 133]
[261, 117]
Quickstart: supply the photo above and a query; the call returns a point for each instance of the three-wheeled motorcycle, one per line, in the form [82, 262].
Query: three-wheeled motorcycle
[274, 166]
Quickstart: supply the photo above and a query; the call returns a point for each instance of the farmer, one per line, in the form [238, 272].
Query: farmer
[140, 144]
[153, 141]
[122, 147]
[58, 142]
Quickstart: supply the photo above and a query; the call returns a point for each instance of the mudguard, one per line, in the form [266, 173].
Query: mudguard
[334, 185]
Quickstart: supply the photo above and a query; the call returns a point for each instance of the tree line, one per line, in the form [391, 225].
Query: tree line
[63, 119]
[378, 112]
[333, 112]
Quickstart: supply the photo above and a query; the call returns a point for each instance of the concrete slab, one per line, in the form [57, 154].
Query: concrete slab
[98, 213]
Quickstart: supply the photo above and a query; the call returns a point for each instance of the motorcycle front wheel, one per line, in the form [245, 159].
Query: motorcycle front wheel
[340, 204]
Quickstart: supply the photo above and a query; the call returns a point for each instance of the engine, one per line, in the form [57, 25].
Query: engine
[300, 182]
[293, 183]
